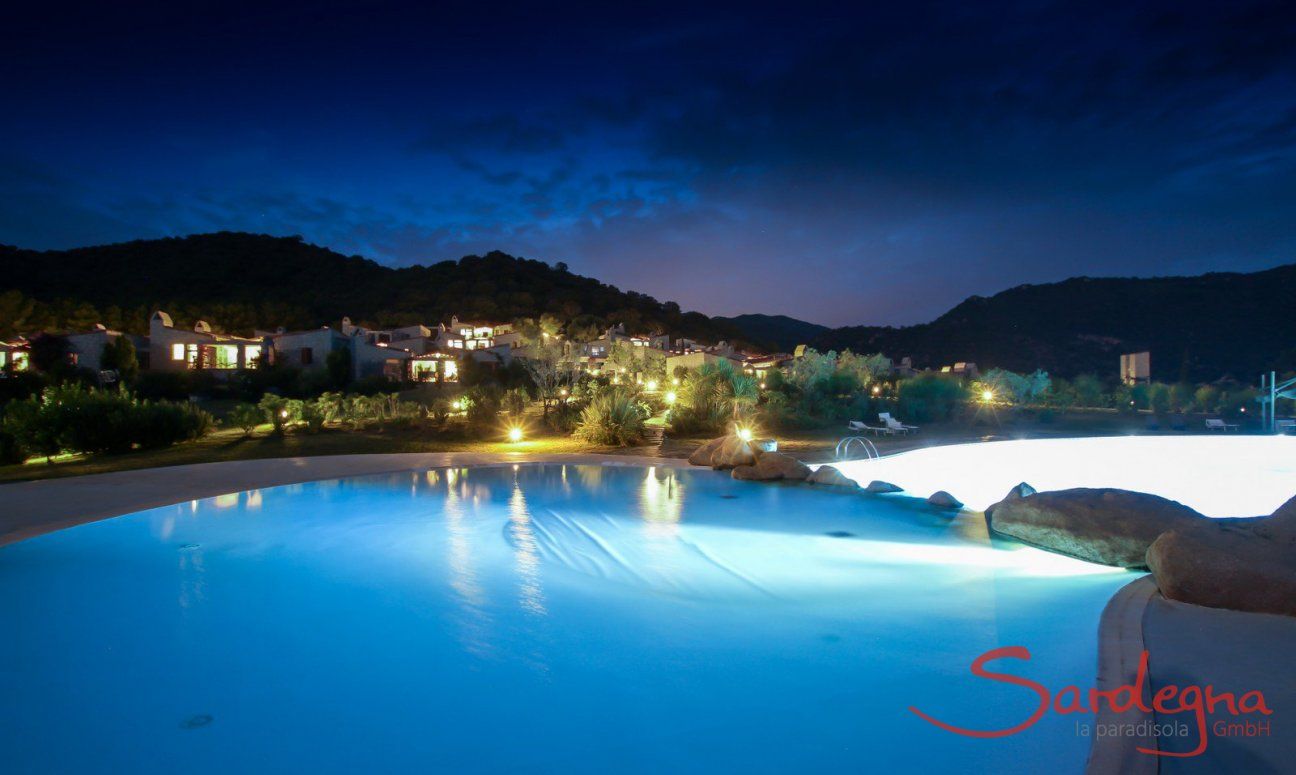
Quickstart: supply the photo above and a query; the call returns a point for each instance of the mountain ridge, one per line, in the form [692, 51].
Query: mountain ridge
[1198, 327]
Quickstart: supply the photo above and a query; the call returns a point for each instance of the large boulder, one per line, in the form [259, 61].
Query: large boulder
[733, 452]
[879, 487]
[943, 500]
[1283, 521]
[702, 455]
[827, 475]
[776, 465]
[1227, 566]
[1018, 491]
[1112, 527]
[750, 474]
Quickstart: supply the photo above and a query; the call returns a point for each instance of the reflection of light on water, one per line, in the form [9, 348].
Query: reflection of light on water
[463, 576]
[254, 500]
[192, 583]
[227, 501]
[1030, 562]
[661, 503]
[525, 558]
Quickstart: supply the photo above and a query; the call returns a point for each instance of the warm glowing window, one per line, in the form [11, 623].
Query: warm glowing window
[449, 370]
[177, 352]
[20, 361]
[423, 371]
[252, 356]
[227, 356]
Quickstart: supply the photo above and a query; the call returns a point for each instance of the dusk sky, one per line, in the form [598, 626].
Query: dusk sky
[864, 163]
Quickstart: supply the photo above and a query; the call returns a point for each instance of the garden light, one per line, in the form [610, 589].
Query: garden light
[515, 434]
[670, 397]
[745, 434]
[652, 384]
[987, 396]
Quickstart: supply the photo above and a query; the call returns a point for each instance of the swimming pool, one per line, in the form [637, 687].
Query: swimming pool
[1220, 476]
[539, 617]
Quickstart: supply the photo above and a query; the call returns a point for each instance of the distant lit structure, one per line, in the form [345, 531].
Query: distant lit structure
[1136, 368]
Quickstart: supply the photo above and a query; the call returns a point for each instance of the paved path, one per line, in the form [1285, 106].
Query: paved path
[1190, 645]
[33, 508]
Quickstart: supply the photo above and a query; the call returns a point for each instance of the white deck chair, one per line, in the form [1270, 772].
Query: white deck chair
[1220, 425]
[856, 425]
[895, 425]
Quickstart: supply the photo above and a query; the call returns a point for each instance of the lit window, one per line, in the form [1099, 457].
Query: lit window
[20, 361]
[177, 352]
[227, 356]
[251, 356]
[449, 370]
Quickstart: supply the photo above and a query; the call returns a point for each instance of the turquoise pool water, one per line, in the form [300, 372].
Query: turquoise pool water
[538, 618]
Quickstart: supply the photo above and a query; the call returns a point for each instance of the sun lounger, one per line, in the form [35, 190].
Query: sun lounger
[894, 425]
[856, 425]
[1220, 425]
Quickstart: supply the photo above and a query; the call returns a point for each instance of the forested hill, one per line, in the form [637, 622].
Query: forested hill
[239, 281]
[1197, 328]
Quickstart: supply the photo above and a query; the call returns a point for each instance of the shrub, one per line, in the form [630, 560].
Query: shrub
[1088, 391]
[614, 419]
[160, 424]
[279, 410]
[11, 452]
[515, 403]
[1207, 398]
[929, 397]
[713, 396]
[247, 416]
[314, 414]
[76, 419]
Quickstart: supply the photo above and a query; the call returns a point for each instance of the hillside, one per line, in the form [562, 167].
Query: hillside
[239, 281]
[1198, 328]
[780, 331]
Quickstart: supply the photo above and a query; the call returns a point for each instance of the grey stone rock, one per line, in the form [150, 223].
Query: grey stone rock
[750, 474]
[829, 476]
[1244, 567]
[944, 500]
[881, 487]
[1112, 527]
[776, 465]
[1021, 490]
[702, 455]
[733, 452]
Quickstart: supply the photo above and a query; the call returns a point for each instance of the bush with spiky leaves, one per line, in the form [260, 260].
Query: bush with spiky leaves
[613, 418]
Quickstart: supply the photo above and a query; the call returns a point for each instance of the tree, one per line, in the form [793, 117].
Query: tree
[119, 356]
[552, 370]
[16, 312]
[51, 354]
